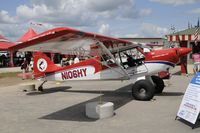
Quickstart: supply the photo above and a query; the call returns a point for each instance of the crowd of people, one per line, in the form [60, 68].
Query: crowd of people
[69, 61]
[4, 60]
[17, 59]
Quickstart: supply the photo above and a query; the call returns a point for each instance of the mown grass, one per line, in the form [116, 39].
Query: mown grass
[9, 74]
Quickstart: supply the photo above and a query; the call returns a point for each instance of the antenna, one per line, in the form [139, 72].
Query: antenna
[173, 29]
[188, 25]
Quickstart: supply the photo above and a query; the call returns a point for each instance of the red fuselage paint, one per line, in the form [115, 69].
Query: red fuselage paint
[74, 74]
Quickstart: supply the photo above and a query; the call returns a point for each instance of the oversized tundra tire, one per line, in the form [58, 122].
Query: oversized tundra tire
[159, 84]
[143, 90]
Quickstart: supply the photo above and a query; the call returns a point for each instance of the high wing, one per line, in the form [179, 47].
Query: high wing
[66, 40]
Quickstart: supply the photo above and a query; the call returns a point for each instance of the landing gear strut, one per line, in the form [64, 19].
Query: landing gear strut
[40, 88]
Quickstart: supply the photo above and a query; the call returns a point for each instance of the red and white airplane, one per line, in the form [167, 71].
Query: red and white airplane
[107, 59]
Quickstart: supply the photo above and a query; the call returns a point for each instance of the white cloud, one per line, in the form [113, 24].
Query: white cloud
[105, 5]
[104, 29]
[72, 13]
[5, 18]
[23, 11]
[145, 12]
[131, 36]
[130, 11]
[176, 2]
[79, 12]
[151, 30]
[49, 3]
[12, 31]
[195, 11]
[66, 12]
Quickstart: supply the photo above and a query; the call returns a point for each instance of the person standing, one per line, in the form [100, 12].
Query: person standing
[71, 61]
[76, 60]
[24, 67]
[196, 60]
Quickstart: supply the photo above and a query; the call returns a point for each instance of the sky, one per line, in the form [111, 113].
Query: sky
[116, 18]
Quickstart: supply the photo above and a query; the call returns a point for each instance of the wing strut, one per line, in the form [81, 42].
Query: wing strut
[109, 53]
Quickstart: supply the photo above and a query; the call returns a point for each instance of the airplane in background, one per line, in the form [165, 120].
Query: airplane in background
[103, 58]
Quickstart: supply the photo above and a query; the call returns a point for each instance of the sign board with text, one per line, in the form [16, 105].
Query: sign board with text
[190, 106]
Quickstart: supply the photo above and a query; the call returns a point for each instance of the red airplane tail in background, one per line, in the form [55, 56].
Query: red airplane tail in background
[43, 64]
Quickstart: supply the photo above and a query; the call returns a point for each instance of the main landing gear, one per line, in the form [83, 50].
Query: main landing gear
[145, 89]
[159, 84]
[40, 88]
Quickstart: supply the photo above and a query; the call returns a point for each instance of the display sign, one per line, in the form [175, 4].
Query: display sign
[190, 105]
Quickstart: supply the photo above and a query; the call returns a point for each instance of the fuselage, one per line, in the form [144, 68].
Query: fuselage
[163, 60]
[95, 69]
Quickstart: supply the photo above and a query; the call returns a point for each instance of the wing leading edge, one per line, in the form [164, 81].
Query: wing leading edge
[66, 40]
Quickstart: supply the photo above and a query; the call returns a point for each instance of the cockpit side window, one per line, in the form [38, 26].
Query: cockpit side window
[131, 58]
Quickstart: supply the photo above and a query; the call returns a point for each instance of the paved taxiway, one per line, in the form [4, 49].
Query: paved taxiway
[60, 109]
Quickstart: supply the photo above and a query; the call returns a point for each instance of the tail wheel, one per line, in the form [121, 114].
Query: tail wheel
[40, 88]
[159, 84]
[143, 90]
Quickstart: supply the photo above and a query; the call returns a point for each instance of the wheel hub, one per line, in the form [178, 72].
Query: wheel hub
[142, 92]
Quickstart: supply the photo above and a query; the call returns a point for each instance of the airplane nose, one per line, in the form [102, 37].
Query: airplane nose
[183, 51]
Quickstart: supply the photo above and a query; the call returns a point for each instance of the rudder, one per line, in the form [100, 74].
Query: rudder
[42, 65]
